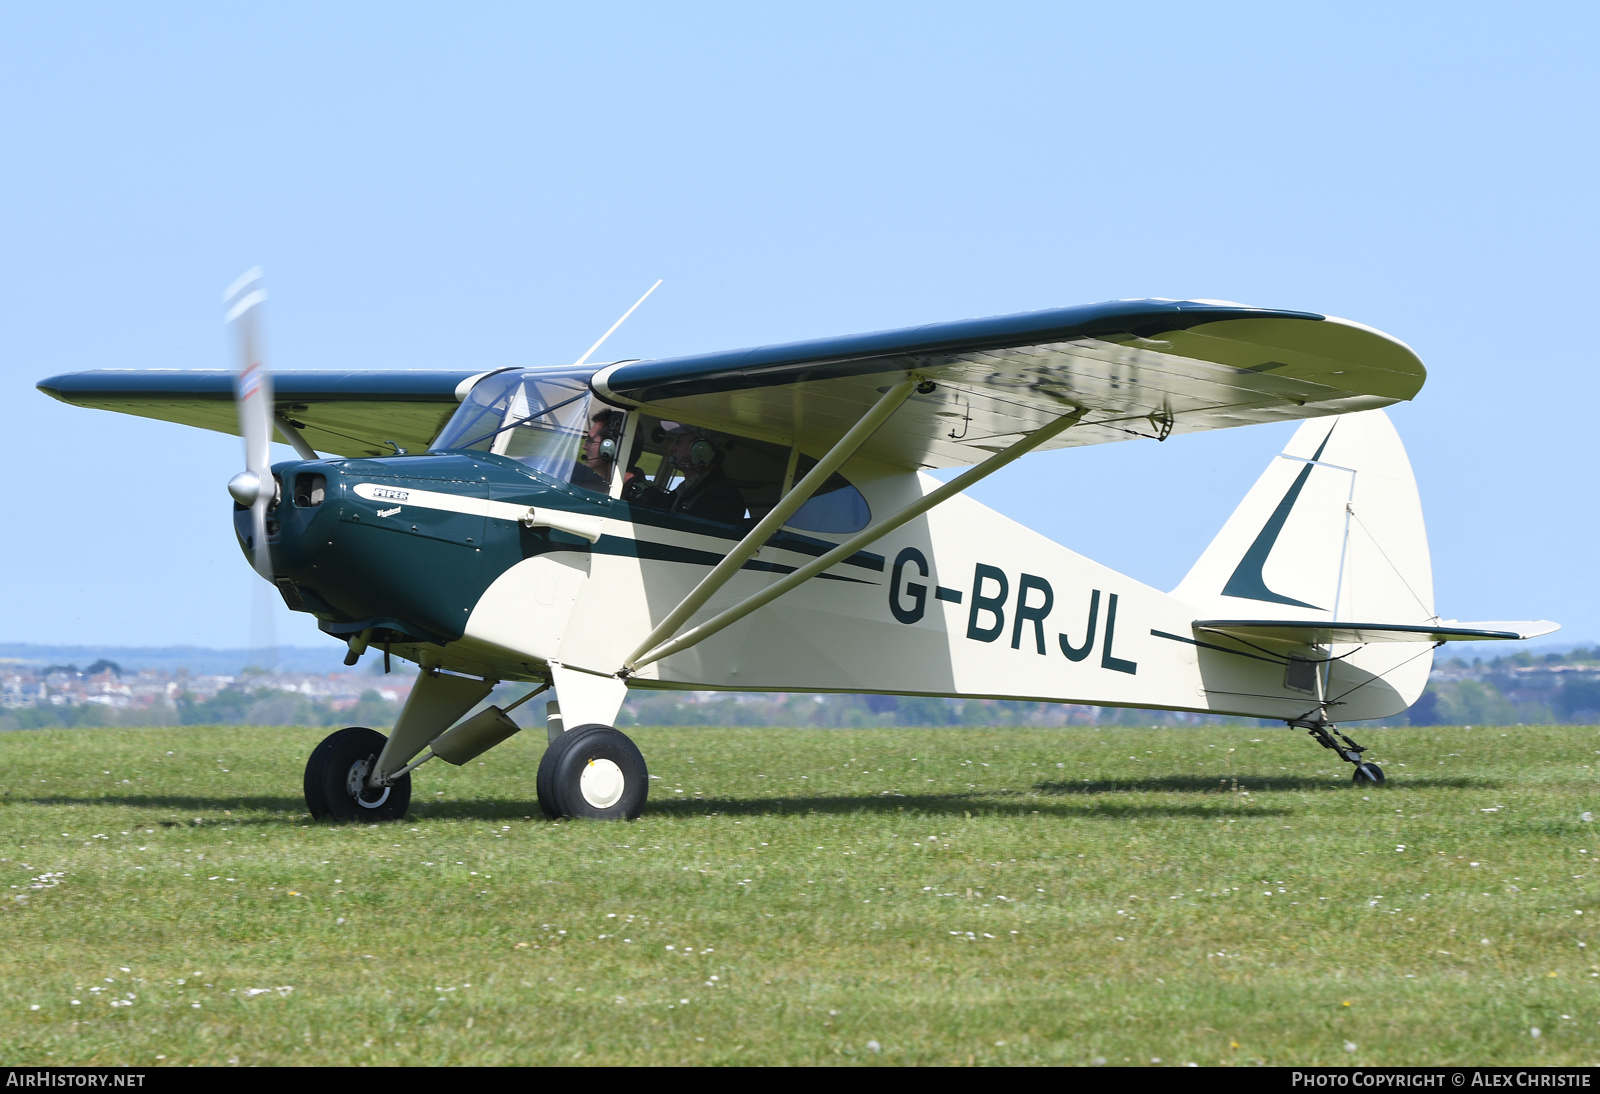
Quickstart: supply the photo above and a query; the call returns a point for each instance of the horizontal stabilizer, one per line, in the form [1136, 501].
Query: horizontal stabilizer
[1300, 632]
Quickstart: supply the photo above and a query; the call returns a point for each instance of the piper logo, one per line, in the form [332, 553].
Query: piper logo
[990, 602]
[389, 493]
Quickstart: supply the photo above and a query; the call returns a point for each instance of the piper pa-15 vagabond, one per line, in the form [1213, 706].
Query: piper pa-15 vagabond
[760, 520]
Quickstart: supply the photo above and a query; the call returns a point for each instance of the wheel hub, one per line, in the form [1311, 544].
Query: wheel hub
[355, 785]
[601, 783]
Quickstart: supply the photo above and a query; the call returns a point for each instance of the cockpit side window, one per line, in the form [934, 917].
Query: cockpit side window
[730, 479]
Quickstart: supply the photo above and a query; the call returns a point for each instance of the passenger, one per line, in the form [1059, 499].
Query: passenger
[705, 491]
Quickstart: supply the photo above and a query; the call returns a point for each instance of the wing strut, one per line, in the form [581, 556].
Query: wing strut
[858, 541]
[292, 435]
[754, 539]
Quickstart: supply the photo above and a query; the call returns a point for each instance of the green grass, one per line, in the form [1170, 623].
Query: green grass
[956, 896]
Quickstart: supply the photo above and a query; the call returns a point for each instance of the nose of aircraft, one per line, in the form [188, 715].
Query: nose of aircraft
[350, 544]
[295, 511]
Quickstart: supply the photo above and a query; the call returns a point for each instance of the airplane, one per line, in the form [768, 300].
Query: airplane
[762, 520]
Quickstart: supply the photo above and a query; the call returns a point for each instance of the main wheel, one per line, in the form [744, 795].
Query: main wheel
[593, 771]
[1367, 774]
[336, 779]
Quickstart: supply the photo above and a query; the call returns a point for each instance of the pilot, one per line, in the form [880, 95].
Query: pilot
[705, 491]
[597, 461]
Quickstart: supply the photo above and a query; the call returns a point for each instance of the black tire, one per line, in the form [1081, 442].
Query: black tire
[1367, 775]
[344, 758]
[617, 782]
[543, 784]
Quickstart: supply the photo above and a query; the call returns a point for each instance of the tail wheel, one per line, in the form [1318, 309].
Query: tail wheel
[336, 779]
[593, 771]
[1367, 774]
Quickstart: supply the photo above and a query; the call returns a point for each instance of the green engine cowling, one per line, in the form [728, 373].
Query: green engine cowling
[349, 545]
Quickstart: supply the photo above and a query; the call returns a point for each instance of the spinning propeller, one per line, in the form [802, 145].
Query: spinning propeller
[254, 486]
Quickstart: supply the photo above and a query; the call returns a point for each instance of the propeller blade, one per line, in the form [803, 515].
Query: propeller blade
[253, 396]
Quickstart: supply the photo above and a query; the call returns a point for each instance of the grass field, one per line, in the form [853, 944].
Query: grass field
[1217, 896]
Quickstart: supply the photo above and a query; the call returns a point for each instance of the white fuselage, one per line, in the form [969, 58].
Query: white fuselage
[966, 603]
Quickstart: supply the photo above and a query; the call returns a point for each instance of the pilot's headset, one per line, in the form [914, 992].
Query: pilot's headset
[612, 424]
[702, 453]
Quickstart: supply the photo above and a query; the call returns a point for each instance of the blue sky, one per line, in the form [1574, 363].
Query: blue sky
[475, 186]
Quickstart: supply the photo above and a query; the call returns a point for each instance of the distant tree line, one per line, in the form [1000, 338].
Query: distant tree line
[95, 669]
[232, 706]
[669, 708]
[1549, 689]
[1520, 688]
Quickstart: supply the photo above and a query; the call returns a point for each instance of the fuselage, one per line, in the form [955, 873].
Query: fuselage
[426, 554]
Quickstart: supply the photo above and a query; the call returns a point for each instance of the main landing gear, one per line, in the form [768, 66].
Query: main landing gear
[1366, 772]
[336, 779]
[592, 771]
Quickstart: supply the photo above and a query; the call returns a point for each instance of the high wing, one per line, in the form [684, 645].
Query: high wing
[1143, 368]
[346, 413]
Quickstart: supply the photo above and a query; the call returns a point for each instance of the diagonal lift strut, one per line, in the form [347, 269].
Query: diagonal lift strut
[850, 546]
[787, 506]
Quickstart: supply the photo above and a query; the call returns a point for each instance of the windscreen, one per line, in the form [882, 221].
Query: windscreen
[547, 421]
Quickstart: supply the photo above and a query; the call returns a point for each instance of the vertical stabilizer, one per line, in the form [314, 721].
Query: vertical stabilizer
[1331, 531]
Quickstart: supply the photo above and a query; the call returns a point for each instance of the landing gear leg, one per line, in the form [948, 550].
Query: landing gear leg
[1366, 773]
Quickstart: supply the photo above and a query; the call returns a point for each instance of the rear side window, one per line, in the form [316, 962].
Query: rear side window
[837, 507]
[734, 480]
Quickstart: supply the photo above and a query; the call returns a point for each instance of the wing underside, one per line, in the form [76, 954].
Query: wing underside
[345, 413]
[1143, 368]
